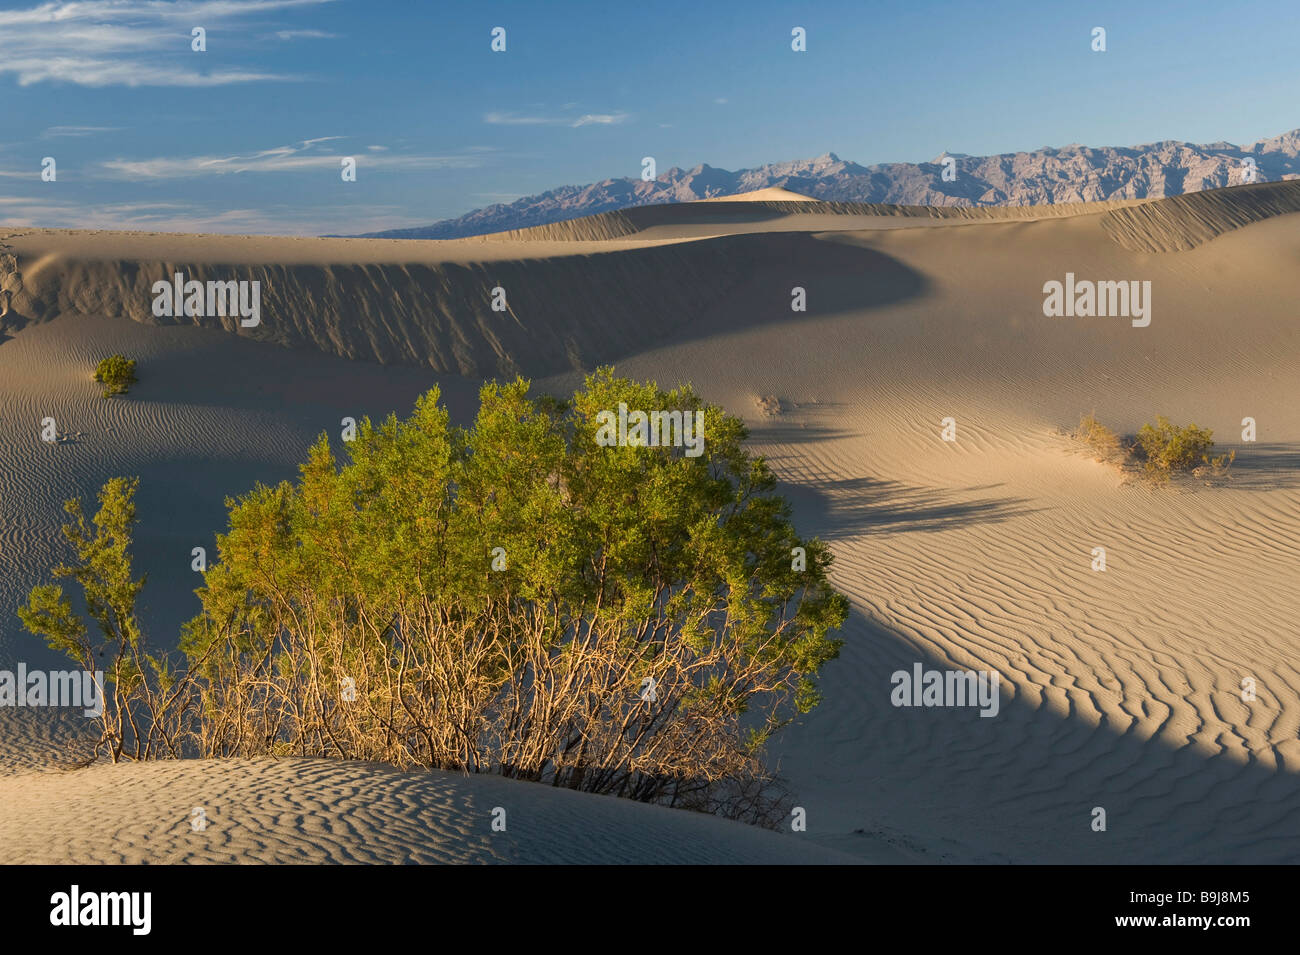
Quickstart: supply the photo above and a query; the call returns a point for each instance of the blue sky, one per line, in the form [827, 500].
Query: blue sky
[247, 136]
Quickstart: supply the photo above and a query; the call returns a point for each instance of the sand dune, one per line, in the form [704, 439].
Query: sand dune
[325, 811]
[1120, 689]
[565, 308]
[1184, 222]
[800, 213]
[770, 194]
[432, 303]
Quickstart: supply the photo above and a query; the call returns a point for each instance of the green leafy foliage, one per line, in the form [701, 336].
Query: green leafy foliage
[1163, 449]
[514, 598]
[116, 373]
[622, 565]
[134, 722]
[1167, 448]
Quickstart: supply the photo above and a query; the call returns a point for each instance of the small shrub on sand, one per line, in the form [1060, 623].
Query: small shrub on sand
[1167, 449]
[1103, 442]
[1162, 450]
[116, 373]
[1213, 469]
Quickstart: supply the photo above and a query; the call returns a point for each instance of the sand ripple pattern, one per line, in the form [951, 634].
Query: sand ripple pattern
[327, 811]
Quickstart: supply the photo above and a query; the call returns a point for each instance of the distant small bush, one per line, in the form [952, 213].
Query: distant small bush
[1104, 442]
[1162, 450]
[1167, 448]
[116, 373]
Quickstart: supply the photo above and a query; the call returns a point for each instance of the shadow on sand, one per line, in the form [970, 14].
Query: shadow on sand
[1263, 467]
[944, 784]
[853, 506]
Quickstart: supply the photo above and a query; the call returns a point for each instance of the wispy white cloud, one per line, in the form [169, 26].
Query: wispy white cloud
[59, 132]
[303, 155]
[511, 119]
[126, 42]
[599, 119]
[587, 119]
[183, 217]
[304, 35]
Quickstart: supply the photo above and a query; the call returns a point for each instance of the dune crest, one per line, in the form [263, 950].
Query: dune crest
[625, 223]
[770, 194]
[1183, 222]
[566, 308]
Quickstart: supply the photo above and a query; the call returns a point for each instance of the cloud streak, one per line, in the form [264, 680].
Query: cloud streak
[61, 132]
[196, 218]
[99, 43]
[587, 119]
[304, 155]
[305, 35]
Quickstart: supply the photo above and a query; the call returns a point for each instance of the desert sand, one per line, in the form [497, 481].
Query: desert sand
[1119, 690]
[770, 194]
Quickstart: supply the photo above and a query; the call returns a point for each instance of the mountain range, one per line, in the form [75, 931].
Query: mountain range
[1071, 173]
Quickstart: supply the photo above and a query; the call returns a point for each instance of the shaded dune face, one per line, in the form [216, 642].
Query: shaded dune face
[1184, 222]
[561, 312]
[1120, 689]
